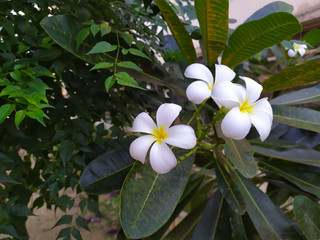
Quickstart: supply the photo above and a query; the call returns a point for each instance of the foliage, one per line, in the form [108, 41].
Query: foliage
[74, 74]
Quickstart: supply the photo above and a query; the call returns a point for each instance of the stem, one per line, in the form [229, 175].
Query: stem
[181, 158]
[118, 50]
[197, 112]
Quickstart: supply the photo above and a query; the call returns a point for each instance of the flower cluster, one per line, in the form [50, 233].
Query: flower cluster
[244, 110]
[297, 48]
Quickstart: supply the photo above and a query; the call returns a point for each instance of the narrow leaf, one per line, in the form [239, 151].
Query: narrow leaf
[102, 47]
[125, 79]
[178, 30]
[213, 19]
[109, 82]
[82, 35]
[252, 37]
[65, 219]
[148, 199]
[129, 64]
[304, 118]
[5, 111]
[138, 53]
[101, 65]
[19, 116]
[307, 214]
[293, 76]
[107, 172]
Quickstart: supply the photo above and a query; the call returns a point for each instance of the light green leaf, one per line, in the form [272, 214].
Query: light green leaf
[82, 35]
[129, 64]
[252, 37]
[109, 82]
[138, 53]
[102, 47]
[5, 111]
[178, 30]
[304, 118]
[148, 199]
[307, 215]
[293, 76]
[104, 29]
[19, 116]
[101, 65]
[125, 79]
[306, 95]
[94, 29]
[213, 19]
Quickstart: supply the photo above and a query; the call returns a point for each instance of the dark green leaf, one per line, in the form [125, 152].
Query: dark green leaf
[138, 53]
[304, 156]
[82, 35]
[129, 64]
[269, 220]
[312, 37]
[76, 234]
[178, 30]
[101, 65]
[66, 150]
[102, 47]
[307, 215]
[19, 116]
[107, 172]
[21, 210]
[5, 111]
[213, 19]
[125, 79]
[109, 82]
[65, 233]
[65, 219]
[148, 199]
[304, 118]
[307, 95]
[82, 223]
[4, 179]
[293, 76]
[252, 37]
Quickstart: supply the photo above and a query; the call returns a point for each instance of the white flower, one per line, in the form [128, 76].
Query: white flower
[161, 157]
[244, 109]
[198, 91]
[301, 48]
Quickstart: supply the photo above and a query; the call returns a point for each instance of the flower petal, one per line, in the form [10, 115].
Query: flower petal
[198, 91]
[143, 123]
[262, 122]
[224, 73]
[167, 113]
[162, 159]
[181, 136]
[302, 51]
[236, 124]
[263, 105]
[139, 147]
[253, 89]
[199, 71]
[227, 94]
[291, 53]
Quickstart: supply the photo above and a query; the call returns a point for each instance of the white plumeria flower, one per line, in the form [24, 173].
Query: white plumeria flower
[161, 157]
[244, 109]
[198, 91]
[298, 48]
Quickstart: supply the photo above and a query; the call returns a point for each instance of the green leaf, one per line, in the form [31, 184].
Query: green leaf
[94, 29]
[65, 233]
[301, 175]
[307, 215]
[101, 65]
[306, 95]
[304, 118]
[76, 234]
[82, 223]
[19, 116]
[269, 220]
[252, 37]
[293, 76]
[65, 219]
[138, 53]
[109, 82]
[178, 30]
[148, 199]
[107, 172]
[214, 222]
[125, 79]
[37, 114]
[66, 150]
[304, 156]
[104, 29]
[312, 37]
[213, 19]
[129, 64]
[102, 47]
[82, 35]
[22, 48]
[5, 111]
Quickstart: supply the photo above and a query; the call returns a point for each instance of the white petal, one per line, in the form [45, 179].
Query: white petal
[236, 124]
[224, 73]
[143, 123]
[253, 89]
[139, 147]
[181, 136]
[291, 53]
[198, 91]
[263, 105]
[199, 71]
[167, 113]
[162, 159]
[227, 94]
[262, 122]
[302, 51]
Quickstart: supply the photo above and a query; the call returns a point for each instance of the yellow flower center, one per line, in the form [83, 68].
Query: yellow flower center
[245, 107]
[296, 47]
[160, 134]
[210, 86]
